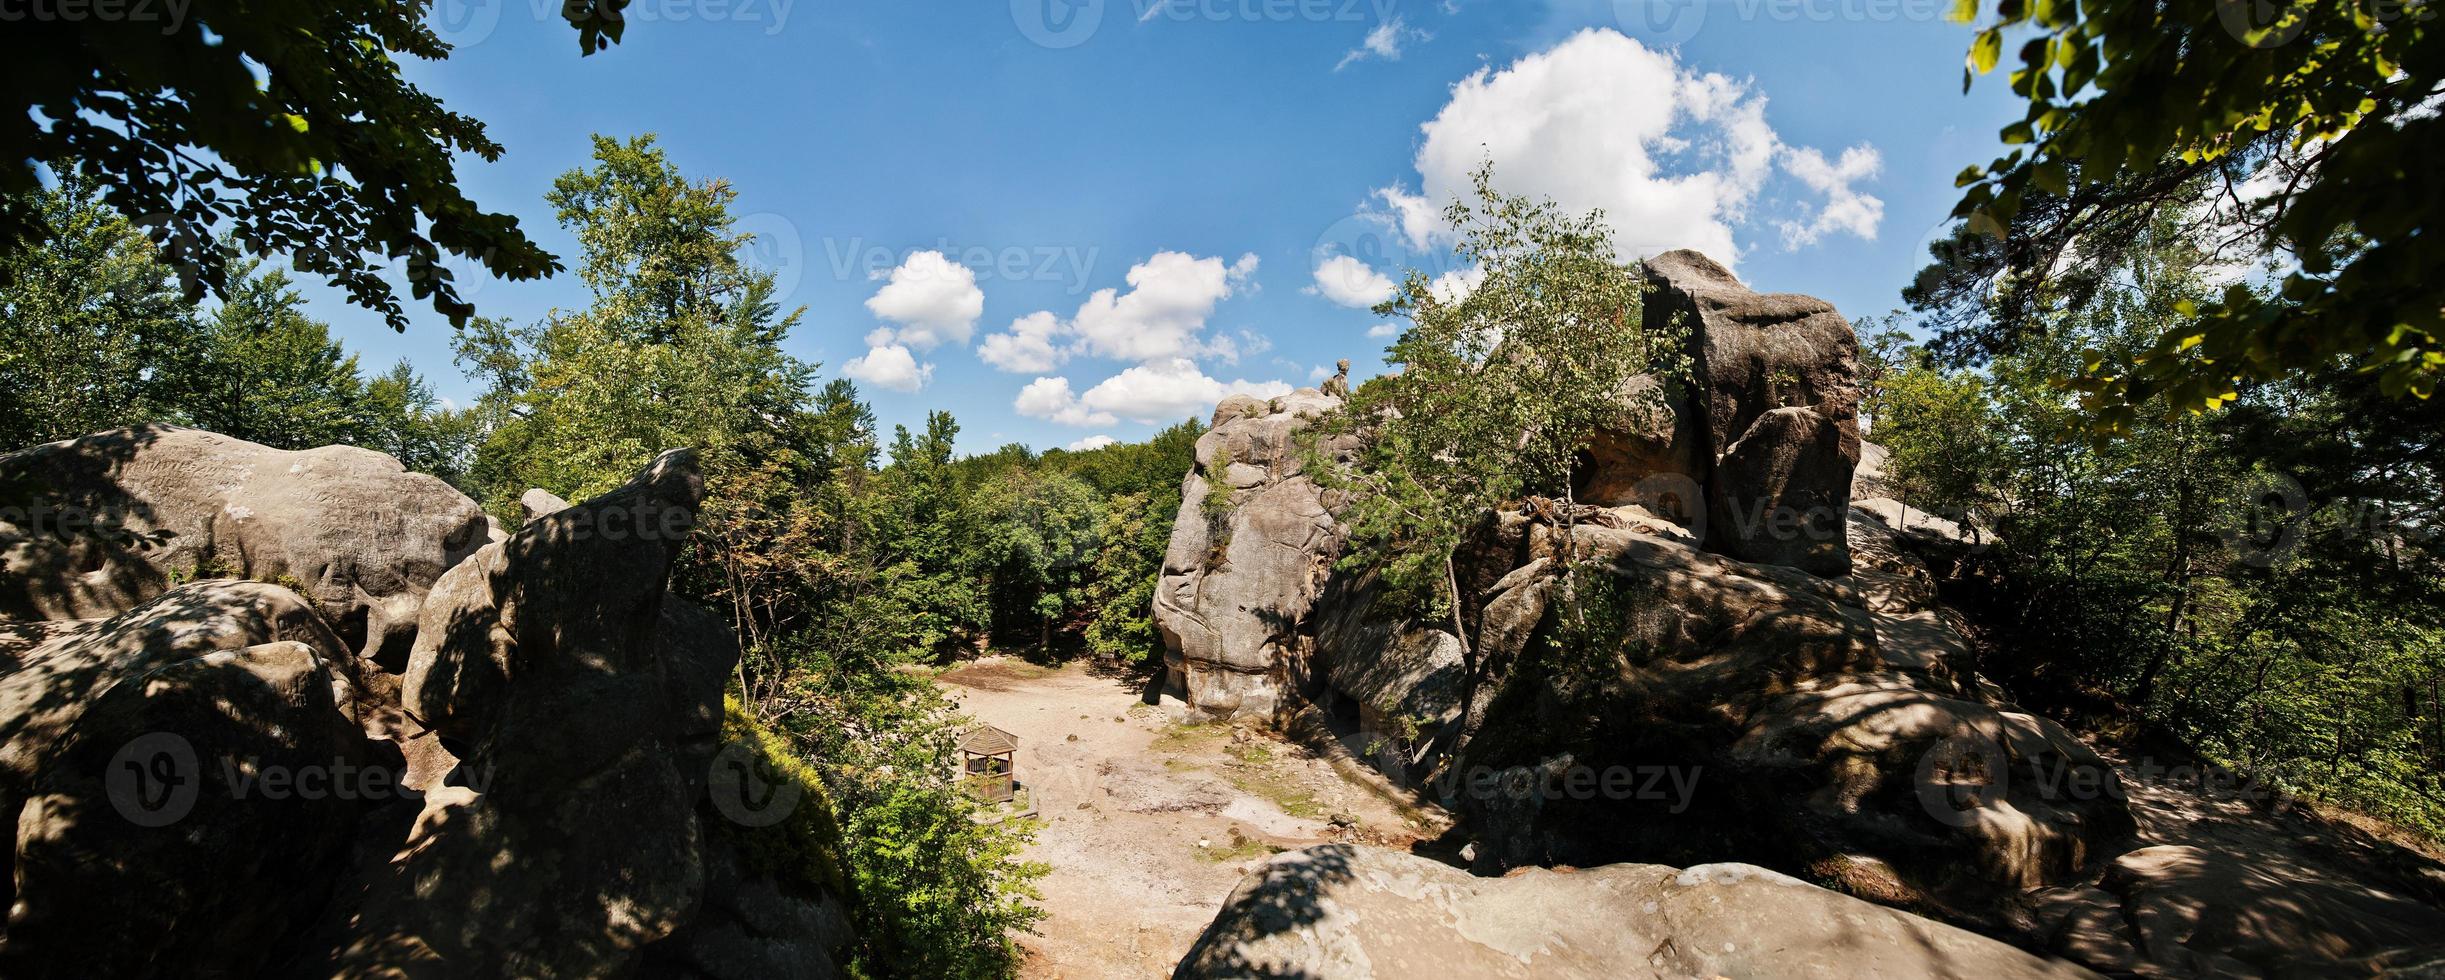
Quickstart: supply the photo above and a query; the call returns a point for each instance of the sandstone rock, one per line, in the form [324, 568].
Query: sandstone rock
[1237, 584]
[94, 526]
[573, 694]
[538, 502]
[1781, 494]
[1810, 725]
[185, 762]
[1355, 912]
[2183, 911]
[1755, 352]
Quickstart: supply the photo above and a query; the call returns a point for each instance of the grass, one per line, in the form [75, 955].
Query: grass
[1240, 848]
[1184, 738]
[1279, 789]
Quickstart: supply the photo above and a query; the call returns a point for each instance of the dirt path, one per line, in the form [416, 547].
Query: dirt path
[1149, 823]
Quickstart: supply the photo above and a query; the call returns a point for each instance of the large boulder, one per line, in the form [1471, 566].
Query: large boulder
[182, 780]
[580, 703]
[1251, 551]
[1755, 451]
[2178, 910]
[1356, 912]
[1755, 710]
[94, 526]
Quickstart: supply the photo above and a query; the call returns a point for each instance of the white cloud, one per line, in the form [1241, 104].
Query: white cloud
[1029, 347]
[1385, 329]
[1383, 42]
[933, 299]
[1845, 209]
[1319, 373]
[1673, 156]
[1163, 315]
[889, 366]
[1168, 391]
[1091, 442]
[1051, 399]
[1349, 282]
[1456, 285]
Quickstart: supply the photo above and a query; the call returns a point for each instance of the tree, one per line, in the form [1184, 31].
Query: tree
[1033, 536]
[2303, 121]
[681, 345]
[271, 374]
[1498, 390]
[88, 320]
[284, 124]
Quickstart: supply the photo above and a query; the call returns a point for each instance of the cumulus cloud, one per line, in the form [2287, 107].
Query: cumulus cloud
[1163, 315]
[1161, 391]
[1674, 157]
[1091, 442]
[1031, 345]
[1052, 400]
[1349, 282]
[889, 366]
[1456, 285]
[1845, 209]
[1383, 42]
[1170, 390]
[933, 299]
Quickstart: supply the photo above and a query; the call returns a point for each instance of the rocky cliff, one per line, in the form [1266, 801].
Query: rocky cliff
[306, 714]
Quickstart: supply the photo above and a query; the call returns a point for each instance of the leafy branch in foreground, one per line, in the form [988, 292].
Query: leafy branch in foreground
[2303, 121]
[282, 123]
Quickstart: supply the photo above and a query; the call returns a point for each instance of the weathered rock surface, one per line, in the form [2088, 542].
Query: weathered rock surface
[185, 762]
[1763, 437]
[1355, 912]
[1813, 727]
[548, 665]
[1239, 580]
[96, 525]
[2179, 910]
[212, 781]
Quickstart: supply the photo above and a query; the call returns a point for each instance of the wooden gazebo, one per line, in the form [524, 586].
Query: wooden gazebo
[988, 754]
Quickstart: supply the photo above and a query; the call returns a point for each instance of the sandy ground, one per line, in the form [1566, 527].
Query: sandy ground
[1147, 823]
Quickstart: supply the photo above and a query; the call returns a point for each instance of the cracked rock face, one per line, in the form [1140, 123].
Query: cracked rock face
[1239, 577]
[1357, 912]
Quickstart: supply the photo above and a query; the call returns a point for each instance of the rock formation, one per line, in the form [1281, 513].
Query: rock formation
[1766, 428]
[419, 746]
[1249, 554]
[94, 526]
[1353, 913]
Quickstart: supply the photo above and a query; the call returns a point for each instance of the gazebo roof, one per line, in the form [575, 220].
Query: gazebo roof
[988, 740]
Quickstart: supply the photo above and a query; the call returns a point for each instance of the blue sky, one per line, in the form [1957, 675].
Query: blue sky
[1201, 160]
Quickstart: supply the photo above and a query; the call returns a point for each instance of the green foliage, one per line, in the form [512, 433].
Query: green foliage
[681, 347]
[1033, 537]
[1121, 589]
[2244, 579]
[93, 337]
[806, 847]
[2305, 119]
[287, 125]
[1498, 390]
[82, 318]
